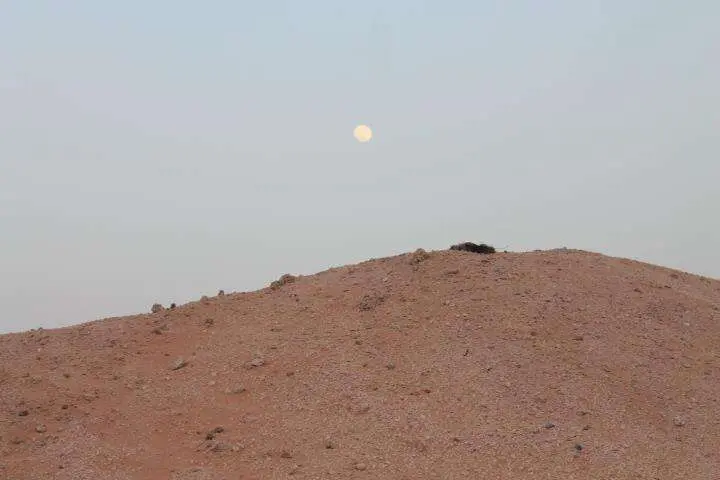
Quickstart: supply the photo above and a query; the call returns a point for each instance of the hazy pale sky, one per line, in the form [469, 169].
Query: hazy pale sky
[160, 151]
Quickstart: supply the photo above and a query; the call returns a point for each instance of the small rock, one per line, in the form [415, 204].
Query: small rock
[418, 256]
[370, 301]
[23, 413]
[172, 306]
[679, 421]
[204, 299]
[578, 447]
[549, 425]
[211, 434]
[390, 366]
[236, 390]
[284, 280]
[157, 308]
[41, 429]
[285, 454]
[329, 444]
[218, 447]
[179, 363]
[257, 362]
[360, 466]
[221, 293]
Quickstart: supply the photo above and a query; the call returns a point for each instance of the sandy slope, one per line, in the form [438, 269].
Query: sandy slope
[557, 364]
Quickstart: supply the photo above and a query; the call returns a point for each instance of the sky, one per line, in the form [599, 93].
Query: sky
[161, 151]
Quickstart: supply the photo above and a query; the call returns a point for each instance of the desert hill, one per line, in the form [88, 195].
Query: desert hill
[441, 365]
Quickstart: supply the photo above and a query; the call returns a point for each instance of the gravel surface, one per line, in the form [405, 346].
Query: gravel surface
[427, 365]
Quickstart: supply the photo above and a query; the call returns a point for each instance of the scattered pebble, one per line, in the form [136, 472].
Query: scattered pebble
[285, 454]
[549, 425]
[679, 421]
[218, 447]
[212, 433]
[284, 280]
[257, 362]
[360, 466]
[179, 363]
[157, 308]
[329, 444]
[370, 301]
[23, 413]
[418, 256]
[221, 293]
[41, 429]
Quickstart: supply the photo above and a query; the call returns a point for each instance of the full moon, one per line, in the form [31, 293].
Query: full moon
[362, 133]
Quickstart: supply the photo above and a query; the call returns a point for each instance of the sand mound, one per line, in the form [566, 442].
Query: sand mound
[448, 365]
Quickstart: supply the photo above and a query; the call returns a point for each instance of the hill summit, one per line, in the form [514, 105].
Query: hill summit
[426, 365]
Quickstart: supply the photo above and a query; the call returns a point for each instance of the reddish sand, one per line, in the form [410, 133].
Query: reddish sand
[543, 365]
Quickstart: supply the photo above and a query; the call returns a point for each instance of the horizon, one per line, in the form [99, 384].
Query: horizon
[166, 304]
[169, 151]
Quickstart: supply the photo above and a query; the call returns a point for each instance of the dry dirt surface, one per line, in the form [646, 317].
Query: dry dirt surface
[559, 364]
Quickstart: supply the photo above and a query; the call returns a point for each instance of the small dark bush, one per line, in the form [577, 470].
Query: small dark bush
[473, 247]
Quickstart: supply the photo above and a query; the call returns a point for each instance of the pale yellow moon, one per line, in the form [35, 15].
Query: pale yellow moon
[362, 133]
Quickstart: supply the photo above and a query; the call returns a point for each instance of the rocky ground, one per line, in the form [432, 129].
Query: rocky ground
[440, 365]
